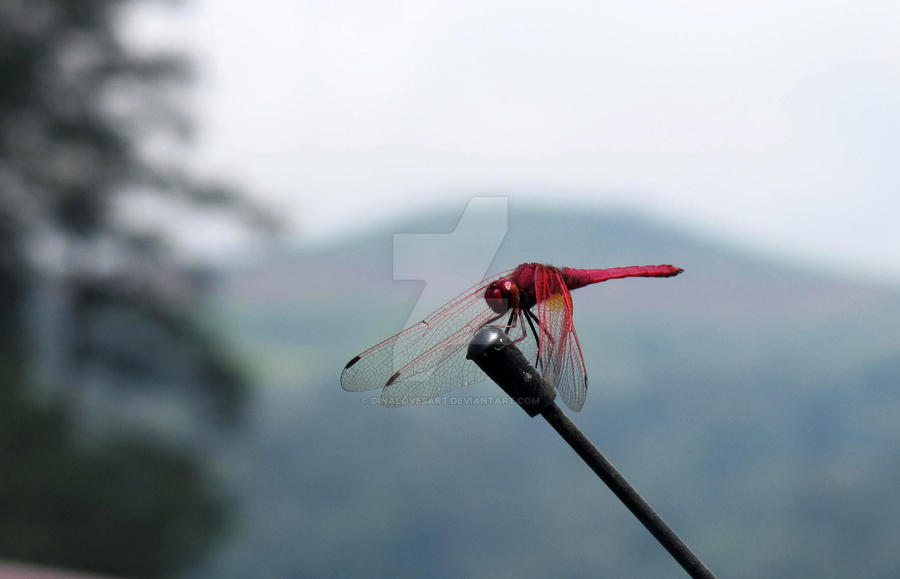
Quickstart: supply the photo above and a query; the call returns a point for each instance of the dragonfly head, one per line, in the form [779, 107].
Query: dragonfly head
[501, 295]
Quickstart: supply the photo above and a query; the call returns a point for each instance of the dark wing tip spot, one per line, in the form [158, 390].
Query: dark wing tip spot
[392, 378]
[352, 362]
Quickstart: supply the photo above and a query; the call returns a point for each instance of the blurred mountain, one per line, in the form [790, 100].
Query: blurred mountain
[753, 402]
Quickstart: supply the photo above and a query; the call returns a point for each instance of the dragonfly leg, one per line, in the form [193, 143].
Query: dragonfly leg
[492, 320]
[512, 322]
[529, 315]
[509, 323]
[524, 335]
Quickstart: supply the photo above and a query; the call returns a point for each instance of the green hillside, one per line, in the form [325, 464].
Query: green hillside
[755, 405]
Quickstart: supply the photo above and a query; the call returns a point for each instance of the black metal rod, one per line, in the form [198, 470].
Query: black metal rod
[626, 493]
[499, 358]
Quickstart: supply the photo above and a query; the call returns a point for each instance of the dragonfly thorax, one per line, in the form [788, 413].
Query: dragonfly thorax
[502, 295]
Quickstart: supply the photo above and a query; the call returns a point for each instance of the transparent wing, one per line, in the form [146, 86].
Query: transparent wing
[428, 358]
[572, 374]
[559, 351]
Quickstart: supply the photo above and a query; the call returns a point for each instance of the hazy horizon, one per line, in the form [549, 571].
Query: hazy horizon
[770, 125]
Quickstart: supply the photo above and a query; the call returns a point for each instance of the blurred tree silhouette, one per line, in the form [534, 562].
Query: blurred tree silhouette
[76, 108]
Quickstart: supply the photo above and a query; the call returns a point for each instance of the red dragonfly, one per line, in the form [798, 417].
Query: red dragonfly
[428, 359]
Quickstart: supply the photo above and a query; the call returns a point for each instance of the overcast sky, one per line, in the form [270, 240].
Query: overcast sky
[772, 123]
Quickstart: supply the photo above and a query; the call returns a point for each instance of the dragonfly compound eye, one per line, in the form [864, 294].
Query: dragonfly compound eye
[502, 295]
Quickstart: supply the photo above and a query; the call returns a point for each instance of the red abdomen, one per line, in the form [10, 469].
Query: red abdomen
[576, 278]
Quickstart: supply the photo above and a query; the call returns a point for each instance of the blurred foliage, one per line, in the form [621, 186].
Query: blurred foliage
[135, 506]
[78, 106]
